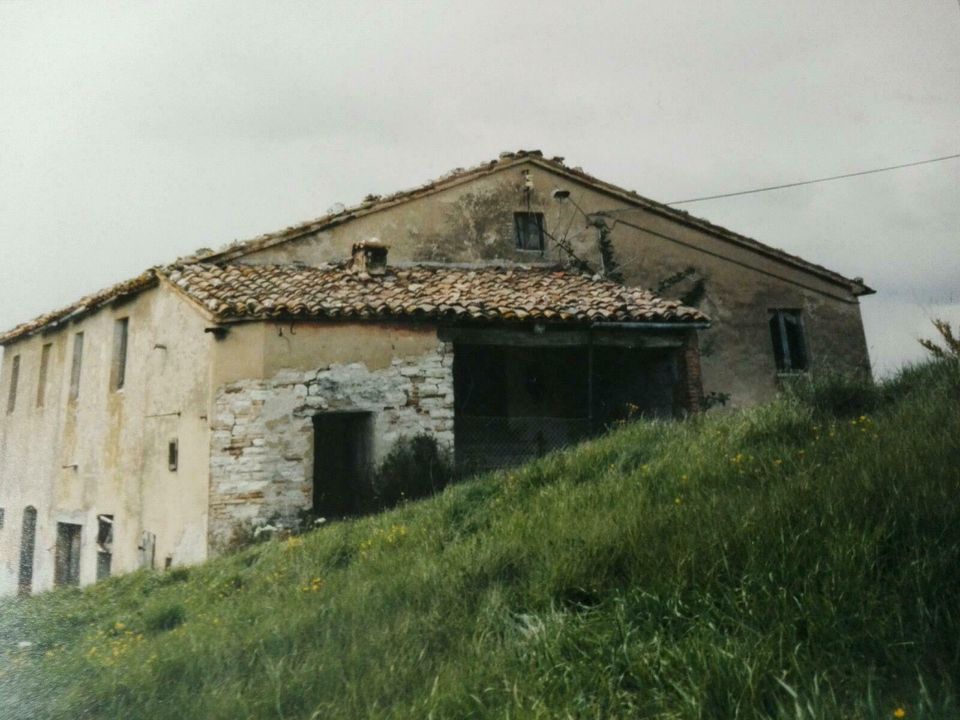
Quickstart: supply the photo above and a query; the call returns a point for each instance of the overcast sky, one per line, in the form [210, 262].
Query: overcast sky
[134, 133]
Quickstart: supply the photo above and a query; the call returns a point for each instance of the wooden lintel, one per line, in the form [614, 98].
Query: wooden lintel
[561, 338]
[636, 339]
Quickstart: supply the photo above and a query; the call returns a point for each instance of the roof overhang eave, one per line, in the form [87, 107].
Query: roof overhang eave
[593, 325]
[145, 281]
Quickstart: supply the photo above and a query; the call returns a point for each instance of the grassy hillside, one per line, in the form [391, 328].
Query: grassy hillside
[799, 560]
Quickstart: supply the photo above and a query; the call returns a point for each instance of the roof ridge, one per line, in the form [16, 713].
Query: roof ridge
[375, 202]
[372, 203]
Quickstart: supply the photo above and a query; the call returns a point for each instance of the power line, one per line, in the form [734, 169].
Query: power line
[818, 180]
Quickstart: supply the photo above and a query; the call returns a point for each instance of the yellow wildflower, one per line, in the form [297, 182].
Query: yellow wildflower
[899, 713]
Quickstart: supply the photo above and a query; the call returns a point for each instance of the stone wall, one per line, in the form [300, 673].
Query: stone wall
[261, 448]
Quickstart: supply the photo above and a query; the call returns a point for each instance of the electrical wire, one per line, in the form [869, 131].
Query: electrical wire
[818, 180]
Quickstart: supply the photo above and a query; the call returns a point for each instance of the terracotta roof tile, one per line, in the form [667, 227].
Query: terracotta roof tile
[84, 305]
[251, 292]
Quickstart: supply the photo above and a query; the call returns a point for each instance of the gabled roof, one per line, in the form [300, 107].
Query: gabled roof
[513, 294]
[375, 203]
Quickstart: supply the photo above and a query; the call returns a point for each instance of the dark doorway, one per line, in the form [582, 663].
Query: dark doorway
[67, 568]
[341, 464]
[28, 540]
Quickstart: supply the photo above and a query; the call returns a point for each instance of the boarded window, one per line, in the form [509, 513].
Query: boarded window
[75, 367]
[528, 227]
[44, 369]
[104, 545]
[119, 370]
[173, 455]
[14, 379]
[67, 568]
[789, 344]
[147, 549]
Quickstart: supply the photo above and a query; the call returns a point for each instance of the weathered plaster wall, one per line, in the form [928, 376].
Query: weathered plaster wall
[261, 447]
[106, 451]
[473, 222]
[739, 288]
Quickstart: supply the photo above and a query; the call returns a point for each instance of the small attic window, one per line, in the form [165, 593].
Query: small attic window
[14, 379]
[75, 366]
[119, 370]
[528, 227]
[173, 455]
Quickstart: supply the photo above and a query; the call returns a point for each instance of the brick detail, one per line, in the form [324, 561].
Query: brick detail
[690, 386]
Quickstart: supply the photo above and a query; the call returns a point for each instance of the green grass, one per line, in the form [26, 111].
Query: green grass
[781, 562]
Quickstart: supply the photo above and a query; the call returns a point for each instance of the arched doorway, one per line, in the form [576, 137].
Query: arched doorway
[28, 540]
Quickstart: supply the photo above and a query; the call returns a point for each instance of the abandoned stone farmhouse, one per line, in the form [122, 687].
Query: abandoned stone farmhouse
[505, 310]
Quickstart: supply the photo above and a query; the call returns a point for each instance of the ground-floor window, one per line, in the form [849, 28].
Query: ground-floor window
[104, 545]
[28, 539]
[147, 549]
[67, 561]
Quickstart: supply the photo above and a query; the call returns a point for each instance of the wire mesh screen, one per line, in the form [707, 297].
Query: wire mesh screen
[488, 443]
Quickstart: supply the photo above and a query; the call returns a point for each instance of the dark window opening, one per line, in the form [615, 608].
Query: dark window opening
[528, 227]
[341, 463]
[44, 368]
[14, 378]
[119, 373]
[67, 561]
[104, 545]
[75, 367]
[789, 344]
[515, 403]
[173, 455]
[630, 383]
[1, 518]
[28, 539]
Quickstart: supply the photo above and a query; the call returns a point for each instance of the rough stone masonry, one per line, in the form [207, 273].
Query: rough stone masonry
[261, 453]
